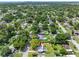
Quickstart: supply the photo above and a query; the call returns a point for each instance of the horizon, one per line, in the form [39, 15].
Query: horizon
[39, 0]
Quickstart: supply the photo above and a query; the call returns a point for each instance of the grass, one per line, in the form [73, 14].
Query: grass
[72, 46]
[18, 55]
[59, 50]
[54, 50]
[32, 54]
[76, 52]
[50, 50]
[76, 38]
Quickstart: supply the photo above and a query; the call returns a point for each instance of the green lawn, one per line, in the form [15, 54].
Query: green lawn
[72, 46]
[76, 38]
[55, 50]
[32, 54]
[76, 52]
[18, 55]
[50, 50]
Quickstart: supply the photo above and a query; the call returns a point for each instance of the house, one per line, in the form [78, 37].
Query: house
[68, 49]
[42, 35]
[2, 24]
[76, 32]
[41, 48]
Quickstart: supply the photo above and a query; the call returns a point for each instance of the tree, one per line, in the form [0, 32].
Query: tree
[59, 50]
[76, 26]
[70, 15]
[63, 51]
[4, 10]
[34, 43]
[62, 38]
[5, 51]
[19, 15]
[3, 37]
[8, 18]
[49, 50]
[53, 28]
[10, 30]
[35, 29]
[70, 22]
[45, 26]
[19, 41]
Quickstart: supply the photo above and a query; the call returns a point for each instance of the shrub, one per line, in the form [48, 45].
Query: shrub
[32, 54]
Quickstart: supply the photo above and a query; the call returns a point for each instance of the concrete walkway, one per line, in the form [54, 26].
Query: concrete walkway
[70, 56]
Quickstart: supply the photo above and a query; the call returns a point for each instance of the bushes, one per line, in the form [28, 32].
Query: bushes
[32, 54]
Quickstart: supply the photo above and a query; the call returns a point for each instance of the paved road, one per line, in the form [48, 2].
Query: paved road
[70, 56]
[41, 55]
[75, 43]
[63, 29]
[49, 20]
[25, 53]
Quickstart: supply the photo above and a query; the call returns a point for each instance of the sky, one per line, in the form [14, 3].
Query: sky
[37, 0]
